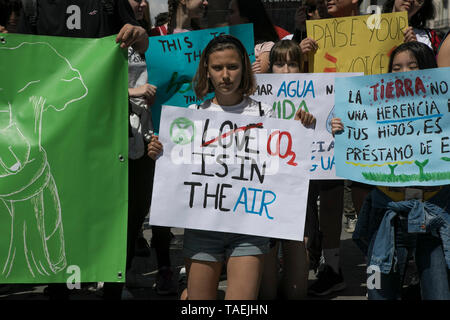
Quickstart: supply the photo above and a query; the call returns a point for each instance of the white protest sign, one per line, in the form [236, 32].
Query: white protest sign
[228, 172]
[314, 92]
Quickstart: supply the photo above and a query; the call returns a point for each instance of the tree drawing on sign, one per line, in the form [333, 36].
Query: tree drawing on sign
[421, 165]
[392, 177]
[29, 198]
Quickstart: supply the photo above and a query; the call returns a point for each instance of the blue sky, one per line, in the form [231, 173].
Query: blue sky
[157, 6]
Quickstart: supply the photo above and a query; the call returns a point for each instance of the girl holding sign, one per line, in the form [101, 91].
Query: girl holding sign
[224, 69]
[183, 16]
[253, 11]
[286, 57]
[395, 206]
[419, 12]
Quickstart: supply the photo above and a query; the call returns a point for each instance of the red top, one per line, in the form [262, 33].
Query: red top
[281, 32]
[158, 31]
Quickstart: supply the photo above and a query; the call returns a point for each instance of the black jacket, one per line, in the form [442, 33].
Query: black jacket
[76, 18]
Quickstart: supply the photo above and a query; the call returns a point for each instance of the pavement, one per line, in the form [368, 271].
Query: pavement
[142, 276]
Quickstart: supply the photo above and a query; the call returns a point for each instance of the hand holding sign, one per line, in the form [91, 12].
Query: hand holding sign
[154, 148]
[229, 176]
[396, 131]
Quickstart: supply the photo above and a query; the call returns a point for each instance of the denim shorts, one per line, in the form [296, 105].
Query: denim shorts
[216, 246]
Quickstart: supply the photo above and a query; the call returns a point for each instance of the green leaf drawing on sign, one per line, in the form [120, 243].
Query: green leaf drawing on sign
[392, 168]
[381, 177]
[445, 158]
[421, 165]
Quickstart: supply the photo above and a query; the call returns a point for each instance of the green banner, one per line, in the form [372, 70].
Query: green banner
[63, 159]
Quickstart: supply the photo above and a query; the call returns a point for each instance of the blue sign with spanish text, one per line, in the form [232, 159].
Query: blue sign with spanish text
[396, 128]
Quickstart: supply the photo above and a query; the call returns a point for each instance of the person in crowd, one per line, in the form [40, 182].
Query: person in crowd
[115, 17]
[331, 192]
[9, 15]
[443, 58]
[419, 12]
[395, 225]
[161, 24]
[224, 60]
[185, 15]
[308, 10]
[286, 57]
[265, 35]
[335, 9]
[140, 167]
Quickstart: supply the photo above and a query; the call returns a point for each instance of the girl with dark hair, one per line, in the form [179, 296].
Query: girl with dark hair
[420, 57]
[286, 57]
[9, 15]
[419, 12]
[390, 209]
[253, 11]
[184, 15]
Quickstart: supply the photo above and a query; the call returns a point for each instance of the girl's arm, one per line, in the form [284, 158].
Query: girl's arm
[308, 45]
[443, 59]
[306, 118]
[146, 91]
[409, 35]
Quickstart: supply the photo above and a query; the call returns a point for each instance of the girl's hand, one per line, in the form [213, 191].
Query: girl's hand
[409, 35]
[336, 125]
[256, 66]
[306, 118]
[146, 91]
[154, 148]
[308, 45]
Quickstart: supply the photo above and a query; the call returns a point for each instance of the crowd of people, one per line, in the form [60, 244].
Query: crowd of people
[252, 264]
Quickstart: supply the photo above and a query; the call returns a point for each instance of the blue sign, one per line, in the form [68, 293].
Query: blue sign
[396, 128]
[172, 62]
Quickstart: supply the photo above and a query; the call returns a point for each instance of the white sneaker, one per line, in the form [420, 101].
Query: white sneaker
[351, 224]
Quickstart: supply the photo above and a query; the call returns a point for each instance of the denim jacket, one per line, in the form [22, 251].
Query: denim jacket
[375, 224]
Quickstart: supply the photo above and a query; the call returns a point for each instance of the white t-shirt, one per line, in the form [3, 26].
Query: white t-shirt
[248, 106]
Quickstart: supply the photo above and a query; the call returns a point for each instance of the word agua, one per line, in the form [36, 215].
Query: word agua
[292, 89]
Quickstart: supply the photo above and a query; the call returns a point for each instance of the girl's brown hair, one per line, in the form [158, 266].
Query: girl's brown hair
[280, 51]
[172, 6]
[201, 82]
